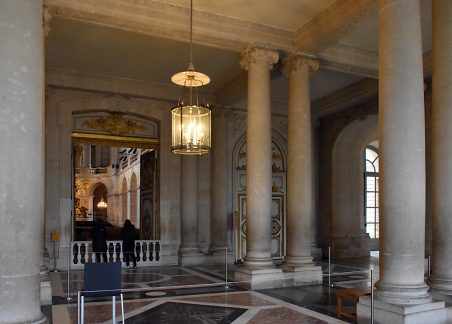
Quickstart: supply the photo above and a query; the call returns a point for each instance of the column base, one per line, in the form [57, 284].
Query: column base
[46, 287]
[192, 257]
[259, 278]
[442, 289]
[432, 312]
[302, 275]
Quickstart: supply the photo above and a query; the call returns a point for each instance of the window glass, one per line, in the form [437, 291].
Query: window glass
[371, 217]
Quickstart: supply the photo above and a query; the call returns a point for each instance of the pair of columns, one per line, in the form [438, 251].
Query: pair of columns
[401, 136]
[258, 62]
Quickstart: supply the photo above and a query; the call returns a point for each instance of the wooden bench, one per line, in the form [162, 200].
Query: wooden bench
[352, 294]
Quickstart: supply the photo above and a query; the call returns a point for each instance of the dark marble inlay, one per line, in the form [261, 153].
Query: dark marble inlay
[181, 281]
[283, 316]
[141, 277]
[187, 313]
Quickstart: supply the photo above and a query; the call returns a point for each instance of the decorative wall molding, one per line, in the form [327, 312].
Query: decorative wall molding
[115, 124]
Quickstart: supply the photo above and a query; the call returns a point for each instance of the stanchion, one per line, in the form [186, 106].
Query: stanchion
[329, 267]
[55, 237]
[372, 296]
[429, 266]
[69, 298]
[226, 286]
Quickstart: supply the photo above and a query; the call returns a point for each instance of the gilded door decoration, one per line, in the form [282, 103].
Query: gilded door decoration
[115, 124]
[278, 214]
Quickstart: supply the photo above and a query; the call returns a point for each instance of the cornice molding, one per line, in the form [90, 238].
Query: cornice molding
[113, 86]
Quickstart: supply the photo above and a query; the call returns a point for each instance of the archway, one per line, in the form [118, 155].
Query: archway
[348, 233]
[100, 211]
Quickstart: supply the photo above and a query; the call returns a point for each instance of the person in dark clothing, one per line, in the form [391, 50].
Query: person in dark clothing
[128, 243]
[99, 237]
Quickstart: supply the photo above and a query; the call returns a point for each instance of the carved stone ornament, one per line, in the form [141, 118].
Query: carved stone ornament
[252, 54]
[115, 124]
[294, 62]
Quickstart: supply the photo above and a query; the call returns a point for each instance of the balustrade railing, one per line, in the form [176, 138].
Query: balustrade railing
[147, 253]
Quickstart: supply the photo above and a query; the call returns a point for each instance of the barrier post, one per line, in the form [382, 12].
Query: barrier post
[226, 268]
[69, 298]
[372, 296]
[329, 266]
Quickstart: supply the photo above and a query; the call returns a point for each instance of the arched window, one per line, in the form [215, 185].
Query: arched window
[371, 214]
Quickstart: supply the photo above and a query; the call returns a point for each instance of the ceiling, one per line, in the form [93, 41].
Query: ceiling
[87, 47]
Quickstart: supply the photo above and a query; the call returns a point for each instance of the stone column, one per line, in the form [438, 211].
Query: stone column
[21, 129]
[129, 204]
[258, 62]
[299, 172]
[219, 193]
[442, 148]
[259, 270]
[46, 288]
[402, 154]
[189, 248]
[401, 287]
[138, 224]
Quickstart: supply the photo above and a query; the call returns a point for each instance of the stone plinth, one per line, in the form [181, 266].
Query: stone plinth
[385, 313]
[260, 278]
[191, 259]
[296, 275]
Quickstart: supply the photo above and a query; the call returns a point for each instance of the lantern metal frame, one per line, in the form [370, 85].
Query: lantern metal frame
[190, 123]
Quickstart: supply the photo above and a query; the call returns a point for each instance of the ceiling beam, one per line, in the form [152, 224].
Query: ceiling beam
[350, 60]
[332, 24]
[354, 94]
[172, 22]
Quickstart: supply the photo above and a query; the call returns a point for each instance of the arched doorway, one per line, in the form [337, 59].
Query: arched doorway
[100, 202]
[278, 230]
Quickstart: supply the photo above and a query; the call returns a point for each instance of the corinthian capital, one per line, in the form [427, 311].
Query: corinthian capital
[254, 54]
[295, 61]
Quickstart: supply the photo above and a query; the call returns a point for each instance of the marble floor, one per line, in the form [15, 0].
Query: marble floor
[199, 295]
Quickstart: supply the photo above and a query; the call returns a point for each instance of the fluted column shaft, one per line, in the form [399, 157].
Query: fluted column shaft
[259, 160]
[442, 146]
[219, 194]
[21, 131]
[401, 136]
[299, 161]
[189, 204]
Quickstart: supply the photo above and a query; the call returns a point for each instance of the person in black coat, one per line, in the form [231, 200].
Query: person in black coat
[99, 237]
[128, 243]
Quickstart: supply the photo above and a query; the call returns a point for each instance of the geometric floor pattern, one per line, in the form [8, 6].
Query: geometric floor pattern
[198, 295]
